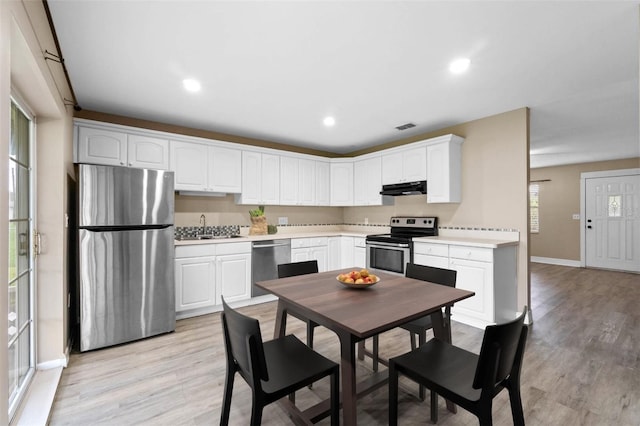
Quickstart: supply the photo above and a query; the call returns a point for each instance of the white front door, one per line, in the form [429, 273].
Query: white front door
[612, 222]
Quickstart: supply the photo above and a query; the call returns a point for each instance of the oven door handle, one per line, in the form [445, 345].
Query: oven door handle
[379, 244]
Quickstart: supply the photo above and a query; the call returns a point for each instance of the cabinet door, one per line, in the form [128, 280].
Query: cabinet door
[334, 254]
[270, 179]
[342, 184]
[195, 283]
[189, 164]
[251, 173]
[307, 182]
[477, 277]
[443, 173]
[320, 254]
[96, 146]
[367, 182]
[288, 181]
[147, 152]
[300, 255]
[225, 170]
[360, 257]
[347, 249]
[392, 168]
[323, 183]
[234, 277]
[414, 164]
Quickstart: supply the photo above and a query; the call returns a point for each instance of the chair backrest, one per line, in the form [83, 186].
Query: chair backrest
[297, 268]
[432, 274]
[243, 343]
[502, 349]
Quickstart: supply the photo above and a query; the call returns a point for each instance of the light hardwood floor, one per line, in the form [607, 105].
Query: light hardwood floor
[581, 366]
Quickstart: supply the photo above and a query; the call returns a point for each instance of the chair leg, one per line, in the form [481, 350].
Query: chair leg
[376, 346]
[256, 413]
[484, 414]
[422, 339]
[226, 399]
[393, 394]
[335, 397]
[310, 340]
[516, 406]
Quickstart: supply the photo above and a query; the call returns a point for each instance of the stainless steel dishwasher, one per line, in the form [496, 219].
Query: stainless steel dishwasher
[265, 257]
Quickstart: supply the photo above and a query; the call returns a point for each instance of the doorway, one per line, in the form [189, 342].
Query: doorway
[21, 279]
[611, 228]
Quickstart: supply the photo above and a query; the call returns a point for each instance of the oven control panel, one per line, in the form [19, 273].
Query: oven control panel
[414, 222]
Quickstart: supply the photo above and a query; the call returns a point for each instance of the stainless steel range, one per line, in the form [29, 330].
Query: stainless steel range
[391, 252]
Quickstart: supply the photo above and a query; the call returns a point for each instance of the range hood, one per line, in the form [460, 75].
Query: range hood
[406, 188]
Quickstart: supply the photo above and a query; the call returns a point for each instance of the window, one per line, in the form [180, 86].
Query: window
[534, 203]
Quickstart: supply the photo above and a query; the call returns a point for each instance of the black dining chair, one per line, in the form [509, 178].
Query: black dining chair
[464, 378]
[300, 268]
[420, 326]
[272, 369]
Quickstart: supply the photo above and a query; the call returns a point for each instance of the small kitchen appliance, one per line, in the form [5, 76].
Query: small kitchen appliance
[391, 252]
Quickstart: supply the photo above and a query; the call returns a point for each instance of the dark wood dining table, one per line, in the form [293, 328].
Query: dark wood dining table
[355, 314]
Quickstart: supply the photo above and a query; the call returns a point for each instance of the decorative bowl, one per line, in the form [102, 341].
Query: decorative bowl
[359, 286]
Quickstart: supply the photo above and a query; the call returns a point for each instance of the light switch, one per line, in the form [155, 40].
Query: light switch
[283, 220]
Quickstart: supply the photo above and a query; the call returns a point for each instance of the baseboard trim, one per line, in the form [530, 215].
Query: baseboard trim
[554, 261]
[54, 363]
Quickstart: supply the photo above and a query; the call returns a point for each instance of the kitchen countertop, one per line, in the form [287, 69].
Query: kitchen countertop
[279, 236]
[467, 241]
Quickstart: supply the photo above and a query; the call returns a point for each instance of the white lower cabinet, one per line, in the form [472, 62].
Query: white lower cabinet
[303, 249]
[195, 282]
[233, 276]
[204, 272]
[359, 252]
[334, 253]
[489, 272]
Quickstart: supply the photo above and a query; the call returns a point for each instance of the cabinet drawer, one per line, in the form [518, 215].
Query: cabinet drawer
[431, 249]
[359, 242]
[196, 250]
[471, 253]
[318, 241]
[300, 243]
[233, 248]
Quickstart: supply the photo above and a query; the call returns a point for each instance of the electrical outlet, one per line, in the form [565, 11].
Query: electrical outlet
[576, 216]
[366, 220]
[283, 220]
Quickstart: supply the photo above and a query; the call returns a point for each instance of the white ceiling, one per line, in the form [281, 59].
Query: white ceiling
[273, 70]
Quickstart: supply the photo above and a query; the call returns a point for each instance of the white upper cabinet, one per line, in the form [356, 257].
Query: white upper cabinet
[342, 183]
[367, 183]
[260, 179]
[113, 148]
[225, 170]
[147, 153]
[444, 174]
[404, 165]
[189, 164]
[289, 181]
[203, 168]
[297, 181]
[306, 182]
[323, 183]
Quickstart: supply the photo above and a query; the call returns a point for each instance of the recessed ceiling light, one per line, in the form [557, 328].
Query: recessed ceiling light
[329, 121]
[191, 85]
[459, 65]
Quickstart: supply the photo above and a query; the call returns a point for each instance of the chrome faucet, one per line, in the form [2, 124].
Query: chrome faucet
[203, 222]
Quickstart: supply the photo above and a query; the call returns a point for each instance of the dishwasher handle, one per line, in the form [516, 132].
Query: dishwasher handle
[256, 246]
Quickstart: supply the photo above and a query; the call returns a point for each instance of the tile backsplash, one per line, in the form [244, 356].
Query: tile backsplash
[192, 231]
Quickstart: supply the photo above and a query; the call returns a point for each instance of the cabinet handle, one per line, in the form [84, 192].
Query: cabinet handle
[122, 163]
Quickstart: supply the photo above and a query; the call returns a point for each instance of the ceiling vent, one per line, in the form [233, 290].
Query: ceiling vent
[406, 126]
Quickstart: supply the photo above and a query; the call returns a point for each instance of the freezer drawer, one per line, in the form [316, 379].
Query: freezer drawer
[126, 285]
[124, 196]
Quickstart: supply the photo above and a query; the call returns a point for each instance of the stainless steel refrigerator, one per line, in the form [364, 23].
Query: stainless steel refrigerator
[126, 287]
